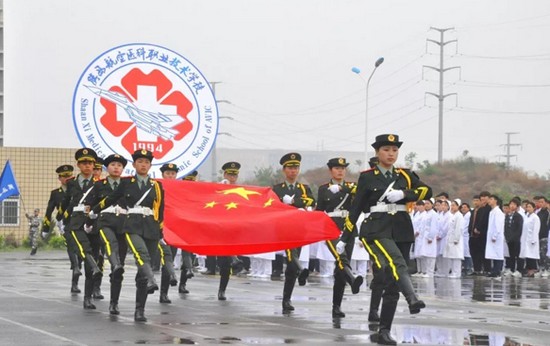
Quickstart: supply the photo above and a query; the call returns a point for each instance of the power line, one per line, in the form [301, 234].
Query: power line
[498, 85]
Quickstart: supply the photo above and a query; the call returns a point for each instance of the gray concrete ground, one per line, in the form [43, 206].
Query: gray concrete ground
[36, 308]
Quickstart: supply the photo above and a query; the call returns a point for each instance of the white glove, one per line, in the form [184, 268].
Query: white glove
[61, 227]
[92, 215]
[334, 188]
[395, 195]
[309, 208]
[288, 199]
[225, 181]
[340, 247]
[162, 242]
[88, 229]
[44, 235]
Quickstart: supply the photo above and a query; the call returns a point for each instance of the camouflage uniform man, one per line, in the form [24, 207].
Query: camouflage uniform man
[34, 229]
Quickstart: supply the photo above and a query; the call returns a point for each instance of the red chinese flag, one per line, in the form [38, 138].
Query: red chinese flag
[220, 219]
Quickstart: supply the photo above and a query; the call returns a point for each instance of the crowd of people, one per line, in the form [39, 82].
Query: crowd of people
[387, 217]
[490, 238]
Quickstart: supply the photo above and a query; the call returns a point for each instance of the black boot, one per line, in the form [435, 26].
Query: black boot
[33, 251]
[74, 284]
[384, 338]
[354, 282]
[221, 295]
[88, 304]
[337, 312]
[375, 298]
[96, 272]
[236, 265]
[75, 264]
[337, 296]
[164, 286]
[96, 294]
[141, 299]
[116, 286]
[148, 273]
[224, 280]
[405, 286]
[183, 282]
[287, 294]
[302, 277]
[187, 267]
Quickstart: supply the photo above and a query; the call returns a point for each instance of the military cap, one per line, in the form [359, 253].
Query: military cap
[387, 139]
[231, 167]
[373, 161]
[191, 176]
[337, 162]
[85, 154]
[291, 159]
[169, 167]
[65, 170]
[114, 158]
[142, 153]
[98, 163]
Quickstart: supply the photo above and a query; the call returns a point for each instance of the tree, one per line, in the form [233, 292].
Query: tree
[409, 159]
[264, 176]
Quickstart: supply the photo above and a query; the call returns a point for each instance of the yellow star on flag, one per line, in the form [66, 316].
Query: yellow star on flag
[268, 203]
[241, 191]
[210, 205]
[231, 205]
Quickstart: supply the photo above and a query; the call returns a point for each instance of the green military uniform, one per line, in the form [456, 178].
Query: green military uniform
[142, 227]
[388, 222]
[186, 257]
[74, 207]
[337, 205]
[54, 204]
[109, 227]
[302, 197]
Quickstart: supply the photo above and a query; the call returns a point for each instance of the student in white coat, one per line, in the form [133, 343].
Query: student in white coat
[428, 250]
[454, 249]
[442, 263]
[418, 235]
[530, 239]
[468, 264]
[494, 249]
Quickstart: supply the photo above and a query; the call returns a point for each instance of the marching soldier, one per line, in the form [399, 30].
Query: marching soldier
[109, 225]
[384, 192]
[64, 173]
[225, 263]
[97, 245]
[167, 253]
[186, 257]
[74, 208]
[143, 226]
[299, 195]
[335, 198]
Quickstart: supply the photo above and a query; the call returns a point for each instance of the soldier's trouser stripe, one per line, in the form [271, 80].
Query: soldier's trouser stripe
[335, 254]
[289, 255]
[134, 251]
[106, 242]
[82, 254]
[161, 251]
[390, 260]
[371, 253]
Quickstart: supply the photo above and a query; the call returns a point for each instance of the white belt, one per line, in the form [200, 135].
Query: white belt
[338, 213]
[145, 211]
[80, 207]
[388, 208]
[114, 209]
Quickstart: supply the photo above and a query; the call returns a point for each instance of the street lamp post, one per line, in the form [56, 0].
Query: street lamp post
[367, 82]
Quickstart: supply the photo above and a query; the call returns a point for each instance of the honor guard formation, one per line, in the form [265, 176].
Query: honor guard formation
[385, 217]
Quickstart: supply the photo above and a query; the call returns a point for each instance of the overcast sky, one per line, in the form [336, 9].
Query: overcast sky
[286, 68]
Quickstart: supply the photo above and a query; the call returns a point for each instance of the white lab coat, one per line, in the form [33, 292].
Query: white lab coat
[417, 226]
[466, 234]
[530, 237]
[495, 235]
[455, 243]
[442, 230]
[429, 231]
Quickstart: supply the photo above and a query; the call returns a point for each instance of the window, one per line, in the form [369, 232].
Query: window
[9, 211]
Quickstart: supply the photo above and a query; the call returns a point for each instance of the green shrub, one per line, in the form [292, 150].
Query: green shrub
[56, 242]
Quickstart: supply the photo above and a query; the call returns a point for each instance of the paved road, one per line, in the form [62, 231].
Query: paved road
[36, 308]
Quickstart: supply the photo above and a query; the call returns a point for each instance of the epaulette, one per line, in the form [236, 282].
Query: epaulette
[71, 178]
[367, 170]
[325, 184]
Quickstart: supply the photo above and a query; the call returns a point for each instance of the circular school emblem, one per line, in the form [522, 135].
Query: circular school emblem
[144, 96]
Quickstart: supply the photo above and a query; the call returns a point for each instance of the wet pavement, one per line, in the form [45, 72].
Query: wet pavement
[36, 308]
